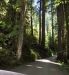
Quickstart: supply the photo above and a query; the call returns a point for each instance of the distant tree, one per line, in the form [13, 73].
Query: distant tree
[31, 18]
[40, 21]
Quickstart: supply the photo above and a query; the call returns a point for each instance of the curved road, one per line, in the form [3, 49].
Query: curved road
[39, 67]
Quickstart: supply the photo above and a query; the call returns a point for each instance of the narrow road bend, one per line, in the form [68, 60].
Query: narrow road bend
[41, 67]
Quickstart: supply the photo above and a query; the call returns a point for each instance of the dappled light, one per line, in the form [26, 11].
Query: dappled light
[34, 37]
[5, 72]
[48, 61]
[41, 67]
[29, 65]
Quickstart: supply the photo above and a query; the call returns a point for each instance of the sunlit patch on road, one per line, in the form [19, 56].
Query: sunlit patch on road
[4, 72]
[48, 61]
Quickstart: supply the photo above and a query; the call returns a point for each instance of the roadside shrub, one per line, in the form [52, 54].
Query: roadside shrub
[7, 58]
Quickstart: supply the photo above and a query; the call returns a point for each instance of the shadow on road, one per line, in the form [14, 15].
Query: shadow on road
[41, 67]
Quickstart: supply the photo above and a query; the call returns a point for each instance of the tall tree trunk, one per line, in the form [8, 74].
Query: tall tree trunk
[66, 8]
[21, 28]
[63, 36]
[52, 24]
[43, 24]
[59, 32]
[31, 20]
[40, 24]
[62, 27]
[62, 54]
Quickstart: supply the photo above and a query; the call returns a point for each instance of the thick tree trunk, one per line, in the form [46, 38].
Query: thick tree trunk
[66, 8]
[43, 24]
[64, 13]
[59, 32]
[63, 36]
[21, 28]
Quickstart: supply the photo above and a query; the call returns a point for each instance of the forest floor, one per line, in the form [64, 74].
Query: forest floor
[41, 67]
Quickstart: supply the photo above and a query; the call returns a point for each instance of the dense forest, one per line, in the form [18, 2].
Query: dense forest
[33, 29]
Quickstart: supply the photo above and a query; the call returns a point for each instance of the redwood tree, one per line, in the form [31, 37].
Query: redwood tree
[21, 28]
[43, 23]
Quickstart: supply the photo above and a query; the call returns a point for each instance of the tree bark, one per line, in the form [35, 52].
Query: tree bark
[66, 9]
[40, 24]
[59, 55]
[43, 24]
[31, 21]
[21, 28]
[52, 24]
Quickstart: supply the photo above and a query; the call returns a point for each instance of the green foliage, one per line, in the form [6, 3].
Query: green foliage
[5, 57]
[8, 33]
[10, 21]
[27, 54]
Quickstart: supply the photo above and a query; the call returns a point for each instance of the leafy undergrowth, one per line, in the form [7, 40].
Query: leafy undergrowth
[43, 52]
[7, 59]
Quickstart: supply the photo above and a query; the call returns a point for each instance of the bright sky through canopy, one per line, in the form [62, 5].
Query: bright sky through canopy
[35, 2]
[6, 1]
